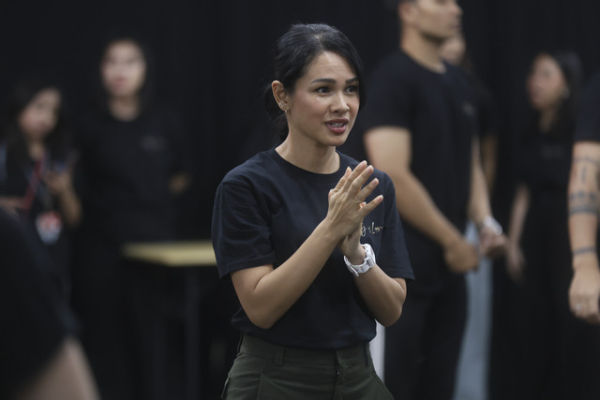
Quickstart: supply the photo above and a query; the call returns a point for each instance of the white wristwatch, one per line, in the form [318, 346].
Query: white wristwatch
[491, 223]
[367, 264]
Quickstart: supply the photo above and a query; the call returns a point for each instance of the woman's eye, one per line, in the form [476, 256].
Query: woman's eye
[352, 89]
[322, 89]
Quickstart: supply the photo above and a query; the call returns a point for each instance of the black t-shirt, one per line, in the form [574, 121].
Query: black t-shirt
[545, 161]
[265, 209]
[34, 320]
[125, 171]
[487, 121]
[42, 218]
[588, 123]
[439, 112]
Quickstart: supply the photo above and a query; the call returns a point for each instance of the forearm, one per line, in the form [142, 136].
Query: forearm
[278, 289]
[489, 146]
[67, 376]
[384, 295]
[518, 213]
[417, 208]
[583, 219]
[70, 207]
[479, 202]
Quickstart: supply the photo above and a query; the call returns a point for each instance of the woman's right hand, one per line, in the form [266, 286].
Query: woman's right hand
[345, 212]
[515, 261]
[460, 255]
[11, 204]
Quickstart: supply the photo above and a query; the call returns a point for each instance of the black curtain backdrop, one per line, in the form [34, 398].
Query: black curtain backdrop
[213, 60]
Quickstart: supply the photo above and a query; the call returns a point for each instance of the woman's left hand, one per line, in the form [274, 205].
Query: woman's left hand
[491, 243]
[58, 182]
[350, 245]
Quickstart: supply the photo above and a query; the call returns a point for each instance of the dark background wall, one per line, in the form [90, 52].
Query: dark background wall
[213, 59]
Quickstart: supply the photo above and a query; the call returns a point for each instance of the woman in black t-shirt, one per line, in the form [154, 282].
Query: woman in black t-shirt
[35, 173]
[315, 252]
[538, 257]
[131, 168]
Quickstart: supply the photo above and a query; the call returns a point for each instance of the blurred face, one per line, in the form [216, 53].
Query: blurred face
[40, 116]
[453, 50]
[323, 105]
[123, 69]
[437, 20]
[546, 84]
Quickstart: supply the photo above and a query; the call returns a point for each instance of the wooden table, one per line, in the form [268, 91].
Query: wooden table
[173, 254]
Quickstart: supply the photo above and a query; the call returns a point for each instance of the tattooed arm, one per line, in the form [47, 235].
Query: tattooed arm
[584, 293]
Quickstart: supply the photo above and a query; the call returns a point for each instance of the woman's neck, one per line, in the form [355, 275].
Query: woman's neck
[36, 149]
[125, 108]
[309, 156]
[547, 119]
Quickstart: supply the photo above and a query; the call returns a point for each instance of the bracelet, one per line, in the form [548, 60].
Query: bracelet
[367, 263]
[584, 250]
[490, 223]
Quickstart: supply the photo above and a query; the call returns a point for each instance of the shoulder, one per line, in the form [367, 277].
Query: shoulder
[396, 68]
[257, 168]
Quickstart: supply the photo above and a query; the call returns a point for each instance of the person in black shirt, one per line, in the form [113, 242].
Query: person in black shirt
[132, 164]
[420, 128]
[40, 359]
[36, 174]
[314, 251]
[538, 251]
[584, 290]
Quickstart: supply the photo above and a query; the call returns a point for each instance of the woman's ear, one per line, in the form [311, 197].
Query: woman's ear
[280, 95]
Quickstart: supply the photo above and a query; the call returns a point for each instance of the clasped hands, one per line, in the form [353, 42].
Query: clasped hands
[348, 208]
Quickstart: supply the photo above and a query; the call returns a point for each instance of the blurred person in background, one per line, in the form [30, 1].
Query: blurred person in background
[421, 129]
[41, 359]
[133, 164]
[474, 358]
[36, 165]
[546, 346]
[584, 290]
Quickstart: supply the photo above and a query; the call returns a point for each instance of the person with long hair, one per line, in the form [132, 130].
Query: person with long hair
[133, 164]
[36, 165]
[545, 335]
[313, 246]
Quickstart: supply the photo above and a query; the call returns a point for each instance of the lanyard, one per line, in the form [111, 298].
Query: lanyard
[34, 184]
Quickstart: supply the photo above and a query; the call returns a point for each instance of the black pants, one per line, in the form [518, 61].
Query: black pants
[539, 349]
[266, 371]
[422, 348]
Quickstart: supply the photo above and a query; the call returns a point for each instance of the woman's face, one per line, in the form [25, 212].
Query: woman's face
[40, 116]
[324, 102]
[123, 69]
[546, 84]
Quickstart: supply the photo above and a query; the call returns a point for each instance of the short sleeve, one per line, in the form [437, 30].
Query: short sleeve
[588, 122]
[393, 257]
[240, 228]
[389, 100]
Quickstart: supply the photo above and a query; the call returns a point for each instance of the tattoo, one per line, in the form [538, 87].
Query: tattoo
[586, 159]
[582, 202]
[583, 210]
[584, 250]
[583, 174]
